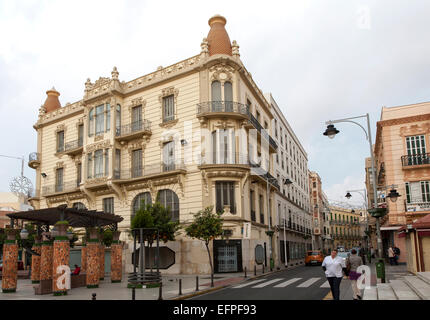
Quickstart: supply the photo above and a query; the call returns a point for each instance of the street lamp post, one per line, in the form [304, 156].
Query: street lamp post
[331, 131]
[363, 193]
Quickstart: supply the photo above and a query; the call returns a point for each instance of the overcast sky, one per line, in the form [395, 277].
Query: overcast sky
[321, 60]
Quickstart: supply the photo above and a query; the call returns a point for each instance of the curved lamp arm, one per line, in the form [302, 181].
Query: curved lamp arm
[337, 121]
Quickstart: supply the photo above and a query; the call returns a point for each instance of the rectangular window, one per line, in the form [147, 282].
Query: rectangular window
[425, 192]
[168, 108]
[89, 166]
[136, 119]
[136, 163]
[108, 205]
[261, 209]
[107, 117]
[252, 205]
[106, 162]
[276, 128]
[117, 173]
[80, 135]
[91, 122]
[59, 184]
[100, 119]
[225, 196]
[98, 163]
[79, 174]
[169, 156]
[416, 149]
[60, 141]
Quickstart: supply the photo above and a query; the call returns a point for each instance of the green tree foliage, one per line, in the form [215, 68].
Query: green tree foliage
[156, 216]
[107, 237]
[206, 226]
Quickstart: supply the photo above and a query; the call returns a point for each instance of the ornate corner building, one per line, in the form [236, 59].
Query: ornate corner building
[190, 135]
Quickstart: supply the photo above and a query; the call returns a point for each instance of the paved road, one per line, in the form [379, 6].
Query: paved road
[301, 283]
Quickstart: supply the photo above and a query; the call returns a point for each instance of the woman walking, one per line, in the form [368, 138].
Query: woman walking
[354, 261]
[334, 267]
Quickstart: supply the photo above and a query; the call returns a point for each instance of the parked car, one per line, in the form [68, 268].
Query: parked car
[315, 257]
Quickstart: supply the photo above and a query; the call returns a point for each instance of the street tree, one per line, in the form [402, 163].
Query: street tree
[206, 226]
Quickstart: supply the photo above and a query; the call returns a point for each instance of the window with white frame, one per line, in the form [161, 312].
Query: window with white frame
[108, 205]
[225, 195]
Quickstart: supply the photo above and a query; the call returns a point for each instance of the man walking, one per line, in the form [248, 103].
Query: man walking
[334, 267]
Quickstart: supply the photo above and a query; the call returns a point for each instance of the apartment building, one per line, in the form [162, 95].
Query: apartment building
[345, 227]
[402, 164]
[190, 135]
[292, 217]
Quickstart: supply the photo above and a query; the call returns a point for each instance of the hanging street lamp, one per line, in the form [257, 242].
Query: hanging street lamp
[331, 131]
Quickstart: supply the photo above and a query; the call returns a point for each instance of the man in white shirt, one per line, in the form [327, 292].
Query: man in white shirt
[334, 267]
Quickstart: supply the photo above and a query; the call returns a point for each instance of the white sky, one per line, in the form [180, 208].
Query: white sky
[320, 59]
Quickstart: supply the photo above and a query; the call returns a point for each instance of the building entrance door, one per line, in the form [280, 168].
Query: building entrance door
[227, 256]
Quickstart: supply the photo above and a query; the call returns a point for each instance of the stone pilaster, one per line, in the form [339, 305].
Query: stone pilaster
[10, 262]
[35, 261]
[116, 258]
[46, 253]
[61, 256]
[93, 272]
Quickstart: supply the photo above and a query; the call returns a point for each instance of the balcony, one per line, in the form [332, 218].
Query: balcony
[74, 147]
[133, 130]
[417, 206]
[235, 110]
[416, 161]
[65, 187]
[34, 160]
[149, 171]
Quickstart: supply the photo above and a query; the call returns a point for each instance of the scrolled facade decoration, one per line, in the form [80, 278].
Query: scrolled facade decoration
[106, 144]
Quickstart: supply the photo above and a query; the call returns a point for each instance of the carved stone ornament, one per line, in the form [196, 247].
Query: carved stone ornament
[42, 110]
[205, 46]
[98, 137]
[167, 92]
[415, 129]
[97, 146]
[221, 72]
[115, 73]
[96, 180]
[235, 49]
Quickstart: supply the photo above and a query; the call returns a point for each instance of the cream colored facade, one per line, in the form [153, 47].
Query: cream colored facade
[187, 169]
[345, 227]
[401, 151]
[291, 201]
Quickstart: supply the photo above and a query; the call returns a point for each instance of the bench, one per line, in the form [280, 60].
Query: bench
[44, 287]
[79, 280]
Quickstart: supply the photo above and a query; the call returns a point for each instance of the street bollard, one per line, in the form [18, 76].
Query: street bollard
[94, 296]
[197, 283]
[255, 270]
[160, 292]
[133, 293]
[245, 272]
[180, 287]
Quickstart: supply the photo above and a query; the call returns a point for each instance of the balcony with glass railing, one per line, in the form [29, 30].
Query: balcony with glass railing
[34, 160]
[70, 186]
[133, 130]
[416, 161]
[235, 110]
[148, 171]
[74, 147]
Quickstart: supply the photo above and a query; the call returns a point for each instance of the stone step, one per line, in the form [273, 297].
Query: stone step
[424, 276]
[370, 294]
[385, 292]
[421, 288]
[403, 291]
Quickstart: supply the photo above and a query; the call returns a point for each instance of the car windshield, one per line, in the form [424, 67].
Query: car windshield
[313, 253]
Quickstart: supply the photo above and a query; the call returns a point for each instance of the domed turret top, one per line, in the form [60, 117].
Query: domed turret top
[218, 39]
[52, 102]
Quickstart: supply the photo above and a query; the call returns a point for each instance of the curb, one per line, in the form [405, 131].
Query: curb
[198, 293]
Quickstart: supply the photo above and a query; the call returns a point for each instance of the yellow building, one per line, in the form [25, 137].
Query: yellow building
[190, 135]
[345, 227]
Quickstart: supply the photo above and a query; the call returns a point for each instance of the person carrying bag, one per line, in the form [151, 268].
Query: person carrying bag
[354, 262]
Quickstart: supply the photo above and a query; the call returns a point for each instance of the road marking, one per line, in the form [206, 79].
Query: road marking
[247, 284]
[325, 285]
[288, 282]
[308, 283]
[261, 285]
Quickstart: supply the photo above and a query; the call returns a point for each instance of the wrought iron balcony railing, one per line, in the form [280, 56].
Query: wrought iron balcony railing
[63, 187]
[133, 127]
[148, 170]
[416, 159]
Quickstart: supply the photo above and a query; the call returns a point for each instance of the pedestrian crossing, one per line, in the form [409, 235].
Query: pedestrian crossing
[276, 283]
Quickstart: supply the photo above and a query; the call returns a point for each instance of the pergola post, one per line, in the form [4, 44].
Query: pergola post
[61, 256]
[10, 262]
[116, 258]
[101, 257]
[35, 260]
[93, 272]
[46, 253]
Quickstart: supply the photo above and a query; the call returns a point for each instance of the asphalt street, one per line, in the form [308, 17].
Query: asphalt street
[301, 283]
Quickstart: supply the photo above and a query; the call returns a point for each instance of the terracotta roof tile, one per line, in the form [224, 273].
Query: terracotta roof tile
[218, 39]
[52, 103]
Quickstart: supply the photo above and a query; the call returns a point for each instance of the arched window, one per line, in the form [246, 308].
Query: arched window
[216, 96]
[169, 200]
[228, 96]
[79, 206]
[91, 123]
[142, 198]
